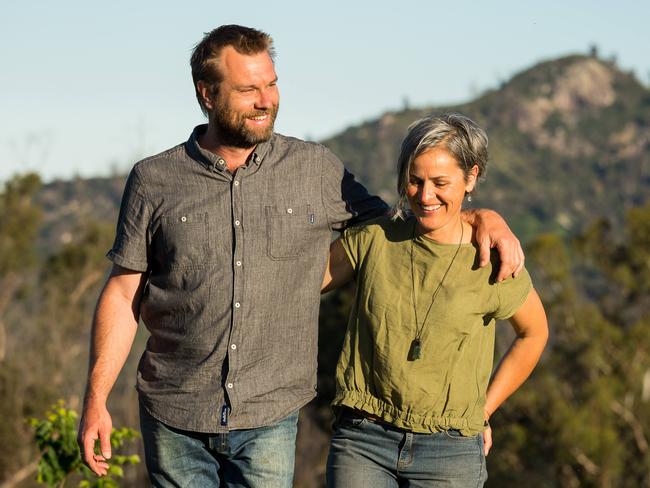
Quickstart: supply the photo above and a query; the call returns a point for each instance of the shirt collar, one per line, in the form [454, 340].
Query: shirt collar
[212, 161]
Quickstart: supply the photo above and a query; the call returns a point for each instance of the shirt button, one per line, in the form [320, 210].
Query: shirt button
[236, 183]
[238, 263]
[237, 304]
[233, 346]
[289, 210]
[183, 218]
[230, 385]
[236, 222]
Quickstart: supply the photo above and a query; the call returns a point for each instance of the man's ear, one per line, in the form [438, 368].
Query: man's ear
[205, 92]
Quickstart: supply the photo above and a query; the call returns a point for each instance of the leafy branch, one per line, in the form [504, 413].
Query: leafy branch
[56, 438]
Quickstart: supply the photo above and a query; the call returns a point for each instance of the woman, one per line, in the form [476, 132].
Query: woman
[413, 400]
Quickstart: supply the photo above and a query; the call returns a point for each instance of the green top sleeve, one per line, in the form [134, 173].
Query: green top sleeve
[355, 241]
[512, 294]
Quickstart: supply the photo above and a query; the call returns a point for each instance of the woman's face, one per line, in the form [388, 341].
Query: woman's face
[435, 192]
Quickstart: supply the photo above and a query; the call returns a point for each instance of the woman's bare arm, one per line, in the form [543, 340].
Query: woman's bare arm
[530, 324]
[339, 270]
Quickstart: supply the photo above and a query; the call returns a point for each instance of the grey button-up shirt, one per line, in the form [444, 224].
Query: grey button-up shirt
[234, 265]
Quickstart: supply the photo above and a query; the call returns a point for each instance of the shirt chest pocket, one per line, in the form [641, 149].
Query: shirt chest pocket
[186, 239]
[287, 230]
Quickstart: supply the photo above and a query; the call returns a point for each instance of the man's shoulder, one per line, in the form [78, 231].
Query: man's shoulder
[159, 166]
[280, 141]
[165, 157]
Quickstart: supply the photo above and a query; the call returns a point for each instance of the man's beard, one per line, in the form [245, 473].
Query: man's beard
[232, 130]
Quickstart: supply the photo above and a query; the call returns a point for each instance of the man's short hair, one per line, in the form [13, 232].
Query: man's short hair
[206, 53]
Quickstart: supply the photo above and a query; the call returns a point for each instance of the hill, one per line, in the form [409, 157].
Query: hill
[569, 141]
[69, 205]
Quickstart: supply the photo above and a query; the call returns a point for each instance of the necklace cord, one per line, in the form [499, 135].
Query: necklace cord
[419, 328]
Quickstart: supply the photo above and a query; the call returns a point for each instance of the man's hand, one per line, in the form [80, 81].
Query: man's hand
[492, 231]
[95, 424]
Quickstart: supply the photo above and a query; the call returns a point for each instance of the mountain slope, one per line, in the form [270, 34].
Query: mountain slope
[569, 141]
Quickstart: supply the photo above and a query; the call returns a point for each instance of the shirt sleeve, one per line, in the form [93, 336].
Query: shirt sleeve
[132, 238]
[356, 241]
[346, 201]
[512, 294]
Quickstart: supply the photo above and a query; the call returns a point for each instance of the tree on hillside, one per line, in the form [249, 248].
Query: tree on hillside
[18, 228]
[584, 417]
[47, 305]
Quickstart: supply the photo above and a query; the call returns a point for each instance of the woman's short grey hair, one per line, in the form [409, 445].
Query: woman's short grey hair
[465, 140]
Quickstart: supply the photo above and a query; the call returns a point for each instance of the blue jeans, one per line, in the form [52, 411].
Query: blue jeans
[254, 458]
[364, 453]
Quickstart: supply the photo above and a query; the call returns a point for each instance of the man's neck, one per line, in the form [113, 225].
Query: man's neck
[234, 156]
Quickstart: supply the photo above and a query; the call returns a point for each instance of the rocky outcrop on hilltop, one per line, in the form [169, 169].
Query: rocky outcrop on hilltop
[569, 141]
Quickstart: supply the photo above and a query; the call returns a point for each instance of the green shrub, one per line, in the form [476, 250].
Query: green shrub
[56, 438]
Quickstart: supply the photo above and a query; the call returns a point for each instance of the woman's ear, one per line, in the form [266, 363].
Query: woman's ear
[471, 179]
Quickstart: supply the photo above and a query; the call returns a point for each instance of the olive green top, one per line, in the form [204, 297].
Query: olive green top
[445, 388]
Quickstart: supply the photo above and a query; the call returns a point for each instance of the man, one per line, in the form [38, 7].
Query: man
[220, 248]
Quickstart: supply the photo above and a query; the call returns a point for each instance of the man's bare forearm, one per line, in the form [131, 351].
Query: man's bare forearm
[114, 326]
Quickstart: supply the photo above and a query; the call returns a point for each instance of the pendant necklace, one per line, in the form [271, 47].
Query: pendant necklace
[415, 351]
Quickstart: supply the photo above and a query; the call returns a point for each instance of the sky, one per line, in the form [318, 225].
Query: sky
[87, 88]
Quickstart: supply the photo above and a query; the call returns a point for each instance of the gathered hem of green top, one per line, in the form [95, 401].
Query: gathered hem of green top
[413, 422]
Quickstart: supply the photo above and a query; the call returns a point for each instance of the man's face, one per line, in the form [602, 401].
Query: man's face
[247, 100]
